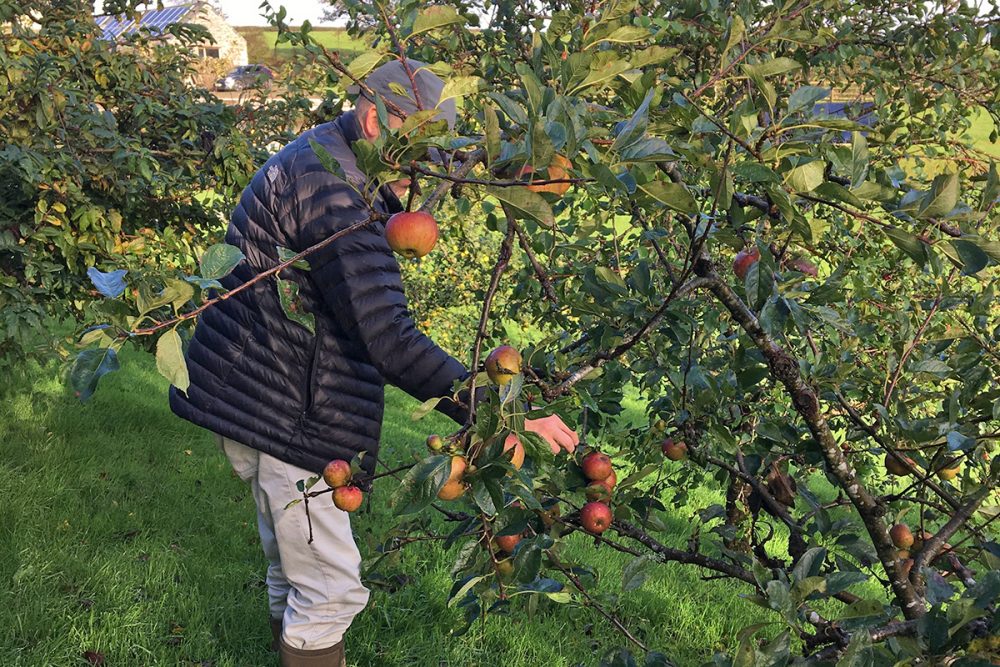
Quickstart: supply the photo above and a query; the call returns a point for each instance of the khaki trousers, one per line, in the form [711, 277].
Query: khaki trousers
[315, 588]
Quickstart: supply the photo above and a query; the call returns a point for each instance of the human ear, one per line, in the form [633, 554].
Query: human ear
[369, 121]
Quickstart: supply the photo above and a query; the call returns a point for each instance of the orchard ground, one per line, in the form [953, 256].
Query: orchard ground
[127, 534]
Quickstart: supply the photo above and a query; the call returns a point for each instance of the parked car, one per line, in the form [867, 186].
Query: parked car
[246, 76]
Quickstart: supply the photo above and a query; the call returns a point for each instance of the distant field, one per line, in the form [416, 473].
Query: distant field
[262, 46]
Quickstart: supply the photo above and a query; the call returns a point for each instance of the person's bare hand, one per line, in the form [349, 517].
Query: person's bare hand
[554, 431]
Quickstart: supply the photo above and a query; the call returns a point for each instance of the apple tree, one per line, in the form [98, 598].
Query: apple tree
[802, 294]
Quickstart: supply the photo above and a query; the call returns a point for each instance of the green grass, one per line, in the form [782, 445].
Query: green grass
[262, 46]
[125, 532]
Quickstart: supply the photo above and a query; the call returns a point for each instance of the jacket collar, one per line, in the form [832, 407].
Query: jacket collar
[350, 128]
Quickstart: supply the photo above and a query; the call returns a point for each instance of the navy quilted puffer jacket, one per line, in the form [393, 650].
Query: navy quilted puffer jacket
[262, 379]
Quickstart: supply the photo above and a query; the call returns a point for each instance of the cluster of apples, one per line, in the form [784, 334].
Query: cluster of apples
[596, 516]
[905, 541]
[346, 496]
[502, 364]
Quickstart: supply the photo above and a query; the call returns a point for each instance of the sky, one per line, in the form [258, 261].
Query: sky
[246, 12]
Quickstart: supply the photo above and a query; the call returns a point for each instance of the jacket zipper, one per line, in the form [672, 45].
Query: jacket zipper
[311, 377]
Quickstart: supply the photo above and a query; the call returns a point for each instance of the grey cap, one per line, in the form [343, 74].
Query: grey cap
[429, 87]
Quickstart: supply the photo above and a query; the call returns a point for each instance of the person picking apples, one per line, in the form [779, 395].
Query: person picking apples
[286, 400]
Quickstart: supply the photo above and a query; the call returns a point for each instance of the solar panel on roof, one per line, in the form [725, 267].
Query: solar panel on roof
[156, 20]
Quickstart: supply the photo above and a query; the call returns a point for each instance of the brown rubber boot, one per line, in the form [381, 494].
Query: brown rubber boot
[276, 624]
[324, 657]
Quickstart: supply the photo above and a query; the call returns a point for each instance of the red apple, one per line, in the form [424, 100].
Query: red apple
[337, 473]
[507, 542]
[596, 466]
[595, 517]
[675, 451]
[513, 442]
[901, 536]
[744, 260]
[609, 481]
[411, 233]
[347, 498]
[503, 364]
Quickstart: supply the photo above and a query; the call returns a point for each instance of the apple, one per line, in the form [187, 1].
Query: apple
[896, 467]
[452, 490]
[337, 473]
[595, 517]
[609, 481]
[435, 443]
[411, 233]
[558, 169]
[347, 498]
[901, 536]
[458, 466]
[597, 491]
[902, 554]
[503, 364]
[675, 450]
[803, 266]
[597, 466]
[905, 566]
[507, 542]
[947, 474]
[744, 260]
[505, 568]
[513, 442]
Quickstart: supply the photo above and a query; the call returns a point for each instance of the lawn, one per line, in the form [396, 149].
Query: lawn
[125, 533]
[262, 44]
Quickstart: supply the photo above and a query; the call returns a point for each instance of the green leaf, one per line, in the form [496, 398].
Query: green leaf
[908, 243]
[532, 86]
[601, 70]
[673, 195]
[288, 295]
[491, 127]
[219, 261]
[464, 586]
[536, 447]
[176, 292]
[635, 127]
[652, 56]
[971, 255]
[425, 408]
[737, 30]
[420, 485]
[626, 34]
[524, 202]
[635, 571]
[773, 67]
[363, 64]
[831, 190]
[326, 159]
[460, 86]
[806, 177]
[434, 17]
[805, 97]
[941, 198]
[934, 367]
[859, 159]
[170, 360]
[285, 254]
[89, 367]
[992, 190]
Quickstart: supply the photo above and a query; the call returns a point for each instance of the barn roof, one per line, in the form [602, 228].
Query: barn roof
[155, 20]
